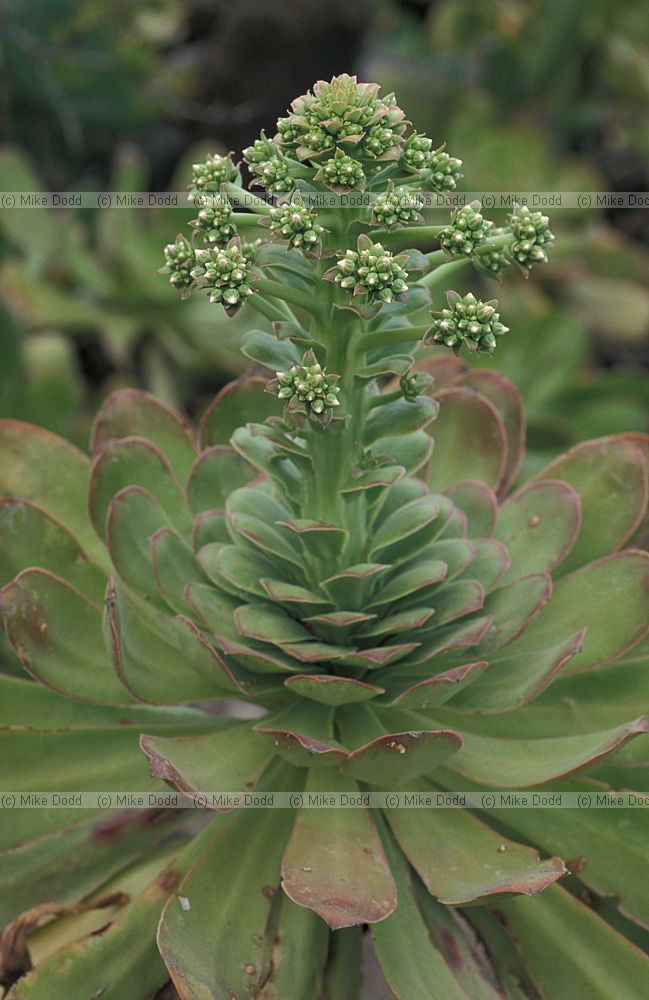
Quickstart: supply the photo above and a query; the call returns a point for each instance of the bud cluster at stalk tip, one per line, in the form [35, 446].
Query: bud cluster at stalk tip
[179, 261]
[225, 272]
[307, 388]
[342, 173]
[468, 321]
[467, 231]
[269, 168]
[397, 207]
[532, 235]
[297, 225]
[370, 270]
[214, 171]
[213, 222]
[440, 170]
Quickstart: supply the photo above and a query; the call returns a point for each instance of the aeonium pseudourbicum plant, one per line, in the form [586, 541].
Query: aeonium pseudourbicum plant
[337, 586]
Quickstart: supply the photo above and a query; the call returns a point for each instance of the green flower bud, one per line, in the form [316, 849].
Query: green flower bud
[179, 261]
[342, 173]
[380, 140]
[209, 176]
[491, 260]
[296, 224]
[213, 222]
[308, 389]
[225, 273]
[443, 172]
[370, 270]
[532, 235]
[396, 207]
[269, 167]
[468, 229]
[468, 321]
[417, 153]
[414, 384]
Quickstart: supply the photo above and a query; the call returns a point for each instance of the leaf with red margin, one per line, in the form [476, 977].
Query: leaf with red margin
[215, 946]
[502, 763]
[396, 759]
[230, 760]
[610, 476]
[507, 401]
[334, 862]
[330, 690]
[30, 536]
[516, 678]
[51, 472]
[490, 563]
[609, 598]
[513, 607]
[479, 504]
[223, 416]
[439, 689]
[214, 475]
[470, 440]
[56, 633]
[458, 857]
[589, 958]
[134, 413]
[539, 525]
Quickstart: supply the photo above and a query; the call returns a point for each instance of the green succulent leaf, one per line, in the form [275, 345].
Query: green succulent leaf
[470, 440]
[131, 413]
[458, 857]
[334, 862]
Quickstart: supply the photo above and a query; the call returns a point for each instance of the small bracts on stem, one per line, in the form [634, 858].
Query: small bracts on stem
[179, 261]
[225, 273]
[297, 225]
[532, 236]
[468, 321]
[467, 231]
[414, 384]
[308, 389]
[371, 271]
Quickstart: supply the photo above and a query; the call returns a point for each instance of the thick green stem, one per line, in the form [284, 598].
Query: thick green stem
[299, 298]
[247, 199]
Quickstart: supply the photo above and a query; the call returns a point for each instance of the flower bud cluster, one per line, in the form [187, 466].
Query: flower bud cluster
[296, 224]
[269, 168]
[371, 270]
[213, 222]
[396, 207]
[179, 261]
[342, 173]
[214, 171]
[468, 321]
[443, 172]
[531, 236]
[225, 271]
[308, 388]
[468, 229]
[414, 384]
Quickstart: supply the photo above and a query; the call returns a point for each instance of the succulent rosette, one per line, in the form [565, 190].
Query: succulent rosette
[367, 602]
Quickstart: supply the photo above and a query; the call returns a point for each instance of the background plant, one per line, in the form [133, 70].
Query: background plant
[356, 566]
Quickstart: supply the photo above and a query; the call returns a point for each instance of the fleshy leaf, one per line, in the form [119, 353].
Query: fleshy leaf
[29, 536]
[589, 958]
[539, 526]
[334, 862]
[215, 473]
[223, 416]
[134, 413]
[56, 633]
[330, 690]
[211, 943]
[470, 440]
[228, 761]
[507, 401]
[51, 472]
[458, 857]
[479, 504]
[610, 476]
